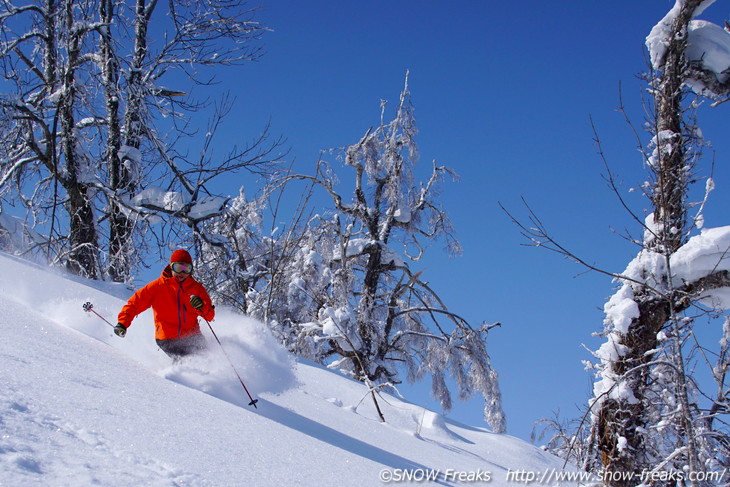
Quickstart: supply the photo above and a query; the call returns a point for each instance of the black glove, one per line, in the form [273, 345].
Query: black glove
[196, 302]
[120, 330]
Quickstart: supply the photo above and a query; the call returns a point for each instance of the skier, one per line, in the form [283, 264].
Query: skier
[177, 300]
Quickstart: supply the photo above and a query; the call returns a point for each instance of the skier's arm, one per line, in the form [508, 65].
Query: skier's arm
[139, 302]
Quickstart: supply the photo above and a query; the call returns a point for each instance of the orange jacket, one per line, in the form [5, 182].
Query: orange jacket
[170, 301]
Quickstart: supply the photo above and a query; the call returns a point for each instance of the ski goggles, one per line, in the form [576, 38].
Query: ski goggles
[181, 267]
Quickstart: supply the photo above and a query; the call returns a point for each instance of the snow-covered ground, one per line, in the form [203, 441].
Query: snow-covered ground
[80, 406]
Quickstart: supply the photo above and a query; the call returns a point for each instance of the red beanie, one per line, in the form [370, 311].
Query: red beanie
[181, 255]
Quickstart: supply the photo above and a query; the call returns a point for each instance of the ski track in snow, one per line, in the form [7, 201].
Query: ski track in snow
[41, 430]
[92, 458]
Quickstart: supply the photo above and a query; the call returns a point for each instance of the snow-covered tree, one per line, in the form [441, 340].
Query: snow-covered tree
[44, 59]
[230, 253]
[349, 297]
[91, 130]
[654, 418]
[645, 387]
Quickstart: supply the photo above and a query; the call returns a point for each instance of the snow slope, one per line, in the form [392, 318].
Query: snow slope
[79, 406]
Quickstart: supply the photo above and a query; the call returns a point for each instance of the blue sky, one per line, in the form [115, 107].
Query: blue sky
[503, 93]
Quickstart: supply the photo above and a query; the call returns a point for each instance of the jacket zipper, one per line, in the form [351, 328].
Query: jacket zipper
[180, 311]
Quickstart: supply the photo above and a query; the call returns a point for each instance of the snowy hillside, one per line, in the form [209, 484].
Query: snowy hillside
[80, 406]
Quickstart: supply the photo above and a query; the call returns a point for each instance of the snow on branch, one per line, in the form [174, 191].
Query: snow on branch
[707, 50]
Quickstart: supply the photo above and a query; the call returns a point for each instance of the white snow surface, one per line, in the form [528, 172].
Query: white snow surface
[706, 42]
[710, 44]
[175, 201]
[703, 255]
[160, 198]
[80, 406]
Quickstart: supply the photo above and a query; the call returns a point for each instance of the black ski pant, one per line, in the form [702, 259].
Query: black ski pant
[180, 347]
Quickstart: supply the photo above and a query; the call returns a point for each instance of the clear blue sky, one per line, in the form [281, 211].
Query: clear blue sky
[503, 92]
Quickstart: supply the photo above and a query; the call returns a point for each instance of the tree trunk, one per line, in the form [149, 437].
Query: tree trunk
[120, 227]
[82, 258]
[621, 420]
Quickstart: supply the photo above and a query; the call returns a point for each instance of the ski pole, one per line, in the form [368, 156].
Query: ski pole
[88, 307]
[253, 401]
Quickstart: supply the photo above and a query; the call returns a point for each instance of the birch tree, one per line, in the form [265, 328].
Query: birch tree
[46, 63]
[93, 130]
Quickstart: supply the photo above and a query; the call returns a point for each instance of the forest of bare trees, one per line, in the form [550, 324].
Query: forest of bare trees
[95, 143]
[89, 122]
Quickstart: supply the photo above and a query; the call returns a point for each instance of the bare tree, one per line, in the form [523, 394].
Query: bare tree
[91, 127]
[623, 420]
[647, 421]
[46, 63]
